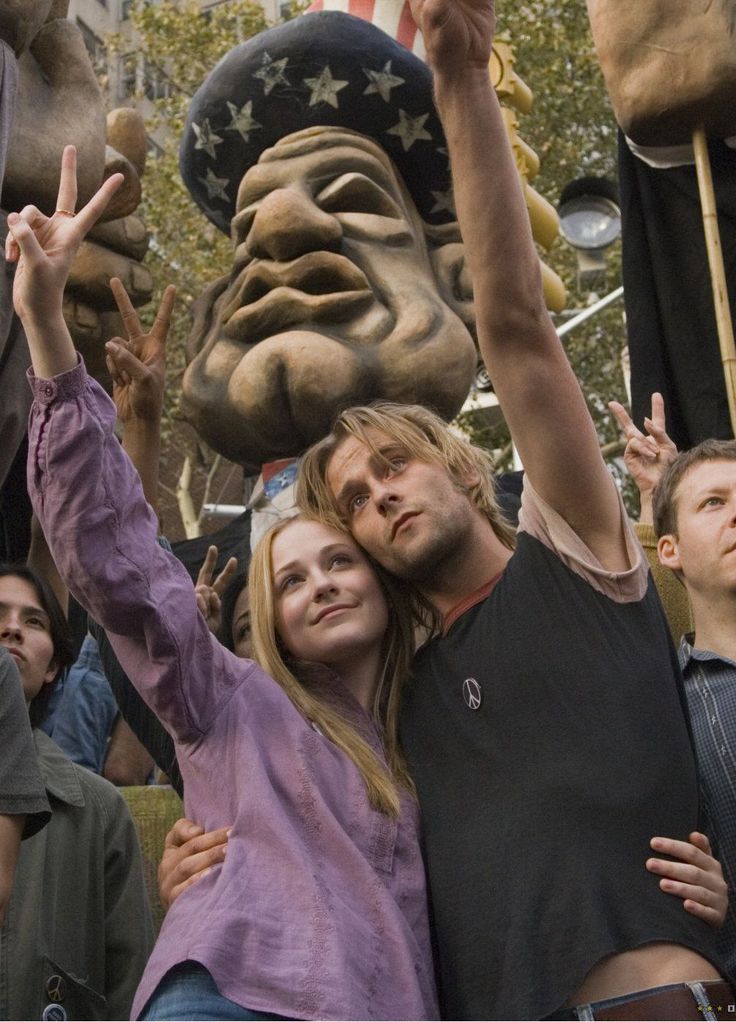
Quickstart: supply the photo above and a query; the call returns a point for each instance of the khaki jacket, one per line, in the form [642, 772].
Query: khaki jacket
[78, 929]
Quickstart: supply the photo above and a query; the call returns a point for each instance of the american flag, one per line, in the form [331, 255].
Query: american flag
[393, 16]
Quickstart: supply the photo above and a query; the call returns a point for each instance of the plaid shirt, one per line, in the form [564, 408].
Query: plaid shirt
[710, 688]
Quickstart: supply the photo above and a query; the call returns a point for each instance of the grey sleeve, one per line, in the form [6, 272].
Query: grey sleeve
[129, 934]
[21, 787]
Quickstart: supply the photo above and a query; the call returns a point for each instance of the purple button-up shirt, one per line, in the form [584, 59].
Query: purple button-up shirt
[319, 908]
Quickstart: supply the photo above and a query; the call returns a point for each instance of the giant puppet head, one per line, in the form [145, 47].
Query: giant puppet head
[317, 145]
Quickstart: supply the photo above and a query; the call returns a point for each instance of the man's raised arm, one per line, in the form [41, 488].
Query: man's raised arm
[535, 384]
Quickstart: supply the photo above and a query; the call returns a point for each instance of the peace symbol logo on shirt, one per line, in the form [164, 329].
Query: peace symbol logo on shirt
[55, 988]
[472, 694]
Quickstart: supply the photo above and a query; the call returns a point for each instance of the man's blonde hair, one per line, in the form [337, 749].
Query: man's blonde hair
[298, 680]
[425, 436]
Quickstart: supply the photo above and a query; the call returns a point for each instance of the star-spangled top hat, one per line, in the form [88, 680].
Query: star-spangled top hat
[325, 68]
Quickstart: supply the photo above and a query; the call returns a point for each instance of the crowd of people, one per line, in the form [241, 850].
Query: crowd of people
[433, 765]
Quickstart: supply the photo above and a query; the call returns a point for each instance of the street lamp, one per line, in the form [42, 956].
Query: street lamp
[590, 221]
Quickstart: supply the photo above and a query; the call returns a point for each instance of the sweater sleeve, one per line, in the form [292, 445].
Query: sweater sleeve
[22, 791]
[102, 536]
[541, 520]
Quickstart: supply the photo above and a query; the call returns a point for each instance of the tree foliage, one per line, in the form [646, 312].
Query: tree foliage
[177, 46]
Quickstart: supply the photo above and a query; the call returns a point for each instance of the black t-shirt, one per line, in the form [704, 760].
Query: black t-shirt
[538, 805]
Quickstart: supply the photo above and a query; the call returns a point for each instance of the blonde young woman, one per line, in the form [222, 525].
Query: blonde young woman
[319, 908]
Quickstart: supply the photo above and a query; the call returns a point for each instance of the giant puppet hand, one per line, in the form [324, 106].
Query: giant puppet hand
[59, 102]
[115, 247]
[20, 20]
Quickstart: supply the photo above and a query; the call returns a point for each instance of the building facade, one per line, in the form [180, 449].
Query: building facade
[127, 74]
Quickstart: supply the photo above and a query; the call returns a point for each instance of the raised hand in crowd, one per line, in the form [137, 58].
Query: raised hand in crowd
[44, 248]
[648, 454]
[209, 589]
[137, 365]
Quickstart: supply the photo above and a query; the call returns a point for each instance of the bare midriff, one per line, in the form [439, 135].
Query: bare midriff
[641, 968]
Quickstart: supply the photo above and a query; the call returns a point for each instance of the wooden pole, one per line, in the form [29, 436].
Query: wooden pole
[724, 322]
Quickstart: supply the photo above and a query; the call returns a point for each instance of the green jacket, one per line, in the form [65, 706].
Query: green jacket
[78, 929]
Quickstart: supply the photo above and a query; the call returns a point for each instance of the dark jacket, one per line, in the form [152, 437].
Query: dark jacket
[78, 929]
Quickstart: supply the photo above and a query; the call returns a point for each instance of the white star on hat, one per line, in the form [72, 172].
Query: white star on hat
[324, 88]
[271, 73]
[382, 81]
[206, 137]
[215, 185]
[410, 129]
[443, 200]
[242, 120]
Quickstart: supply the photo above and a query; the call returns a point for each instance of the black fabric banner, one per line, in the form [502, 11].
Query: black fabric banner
[671, 323]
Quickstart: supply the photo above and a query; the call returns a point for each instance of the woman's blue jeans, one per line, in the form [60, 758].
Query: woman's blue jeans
[188, 991]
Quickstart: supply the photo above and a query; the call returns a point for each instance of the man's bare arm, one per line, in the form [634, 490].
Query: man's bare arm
[536, 386]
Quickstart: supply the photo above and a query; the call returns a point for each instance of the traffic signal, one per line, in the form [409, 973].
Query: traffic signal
[516, 98]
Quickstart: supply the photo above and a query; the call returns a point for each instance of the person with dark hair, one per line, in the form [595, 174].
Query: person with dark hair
[38, 688]
[688, 505]
[24, 807]
[78, 928]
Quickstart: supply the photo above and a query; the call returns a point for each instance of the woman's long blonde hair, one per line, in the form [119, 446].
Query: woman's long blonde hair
[382, 784]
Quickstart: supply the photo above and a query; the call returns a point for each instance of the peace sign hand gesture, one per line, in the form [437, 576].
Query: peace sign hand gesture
[138, 365]
[646, 455]
[209, 590]
[44, 247]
